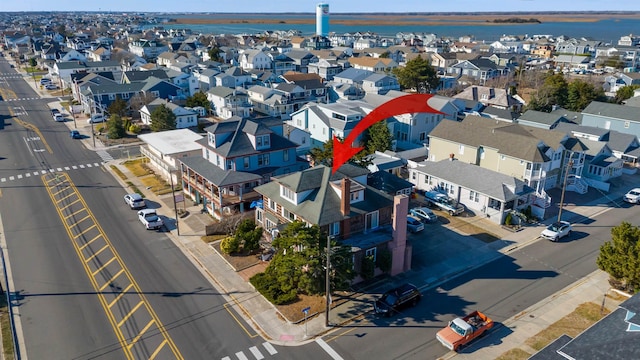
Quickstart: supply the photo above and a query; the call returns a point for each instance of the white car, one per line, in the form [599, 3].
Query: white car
[58, 117]
[150, 219]
[557, 231]
[633, 196]
[134, 200]
[96, 119]
[424, 214]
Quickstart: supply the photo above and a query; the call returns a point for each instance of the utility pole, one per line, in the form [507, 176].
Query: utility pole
[173, 195]
[327, 281]
[564, 186]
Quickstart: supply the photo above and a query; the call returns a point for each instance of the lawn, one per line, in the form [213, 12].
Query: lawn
[138, 167]
[156, 184]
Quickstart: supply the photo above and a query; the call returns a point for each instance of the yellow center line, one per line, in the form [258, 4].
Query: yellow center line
[74, 214]
[90, 242]
[61, 191]
[120, 295]
[37, 131]
[104, 266]
[124, 319]
[71, 203]
[85, 231]
[139, 336]
[96, 253]
[77, 222]
[64, 198]
[155, 353]
[110, 281]
[137, 291]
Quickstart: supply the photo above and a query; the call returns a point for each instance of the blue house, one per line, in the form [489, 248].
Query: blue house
[237, 155]
[616, 117]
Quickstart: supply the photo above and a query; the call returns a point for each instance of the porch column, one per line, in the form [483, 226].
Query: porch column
[240, 197]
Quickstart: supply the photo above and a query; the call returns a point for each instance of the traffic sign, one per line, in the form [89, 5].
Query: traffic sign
[306, 310]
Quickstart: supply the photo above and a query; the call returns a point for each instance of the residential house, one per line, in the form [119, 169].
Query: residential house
[533, 155]
[318, 42]
[185, 118]
[573, 61]
[490, 96]
[206, 78]
[543, 51]
[614, 336]
[338, 91]
[97, 97]
[477, 71]
[236, 156]
[344, 206]
[233, 77]
[301, 59]
[439, 60]
[255, 59]
[64, 69]
[312, 84]
[129, 77]
[389, 183]
[281, 63]
[630, 78]
[373, 64]
[386, 162]
[148, 49]
[270, 102]
[163, 89]
[227, 102]
[541, 119]
[481, 191]
[379, 84]
[323, 121]
[164, 149]
[99, 54]
[616, 117]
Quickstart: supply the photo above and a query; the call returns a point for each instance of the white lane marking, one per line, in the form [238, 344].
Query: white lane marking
[334, 355]
[270, 348]
[254, 350]
[241, 356]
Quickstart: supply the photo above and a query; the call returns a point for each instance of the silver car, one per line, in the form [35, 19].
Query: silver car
[424, 214]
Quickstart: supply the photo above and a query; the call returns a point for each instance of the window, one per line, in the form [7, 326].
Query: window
[370, 253]
[285, 155]
[125, 95]
[246, 162]
[212, 140]
[206, 154]
[259, 215]
[288, 215]
[272, 204]
[473, 196]
[287, 193]
[299, 122]
[304, 140]
[413, 175]
[263, 159]
[229, 164]
[218, 160]
[423, 136]
[334, 229]
[112, 96]
[371, 220]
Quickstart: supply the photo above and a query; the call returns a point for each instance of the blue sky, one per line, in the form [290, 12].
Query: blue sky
[259, 6]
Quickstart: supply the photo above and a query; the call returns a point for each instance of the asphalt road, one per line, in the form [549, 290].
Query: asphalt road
[501, 289]
[88, 279]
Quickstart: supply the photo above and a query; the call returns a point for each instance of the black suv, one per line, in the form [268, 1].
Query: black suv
[396, 298]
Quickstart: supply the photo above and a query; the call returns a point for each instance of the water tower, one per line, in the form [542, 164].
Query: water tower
[322, 19]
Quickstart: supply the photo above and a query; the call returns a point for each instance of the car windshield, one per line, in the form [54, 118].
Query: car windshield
[632, 192]
[555, 227]
[389, 299]
[456, 328]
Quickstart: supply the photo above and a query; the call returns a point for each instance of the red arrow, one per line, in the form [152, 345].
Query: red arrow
[412, 103]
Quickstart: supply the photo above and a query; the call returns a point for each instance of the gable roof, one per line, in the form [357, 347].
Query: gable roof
[601, 109]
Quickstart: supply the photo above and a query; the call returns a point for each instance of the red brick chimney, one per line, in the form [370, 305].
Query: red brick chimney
[345, 201]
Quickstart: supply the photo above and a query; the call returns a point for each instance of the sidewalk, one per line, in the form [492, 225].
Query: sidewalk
[263, 316]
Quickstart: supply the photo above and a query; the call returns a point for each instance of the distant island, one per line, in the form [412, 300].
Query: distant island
[515, 20]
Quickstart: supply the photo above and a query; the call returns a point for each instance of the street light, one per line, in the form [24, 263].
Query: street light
[564, 186]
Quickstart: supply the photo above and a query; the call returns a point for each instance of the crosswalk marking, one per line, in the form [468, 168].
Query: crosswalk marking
[42, 172]
[328, 349]
[104, 155]
[254, 350]
[270, 348]
[241, 356]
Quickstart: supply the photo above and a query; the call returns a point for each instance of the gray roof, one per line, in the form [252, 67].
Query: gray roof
[609, 338]
[491, 183]
[540, 117]
[322, 205]
[570, 116]
[239, 144]
[615, 111]
[513, 140]
[114, 88]
[388, 183]
[353, 74]
[223, 91]
[144, 75]
[216, 175]
[617, 141]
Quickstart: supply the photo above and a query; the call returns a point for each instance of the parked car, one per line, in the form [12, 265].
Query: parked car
[58, 117]
[75, 134]
[96, 119]
[45, 81]
[55, 111]
[633, 196]
[394, 299]
[135, 201]
[150, 219]
[51, 86]
[414, 224]
[557, 231]
[424, 214]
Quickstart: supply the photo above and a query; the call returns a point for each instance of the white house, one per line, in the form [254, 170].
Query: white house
[227, 102]
[185, 118]
[165, 148]
[254, 59]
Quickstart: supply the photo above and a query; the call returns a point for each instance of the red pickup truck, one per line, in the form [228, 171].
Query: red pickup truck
[461, 331]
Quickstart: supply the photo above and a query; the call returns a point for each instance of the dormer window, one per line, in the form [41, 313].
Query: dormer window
[263, 141]
[288, 194]
[212, 140]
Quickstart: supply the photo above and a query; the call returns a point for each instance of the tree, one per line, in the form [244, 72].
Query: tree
[324, 156]
[32, 62]
[378, 138]
[580, 94]
[115, 127]
[139, 100]
[214, 54]
[620, 257]
[552, 92]
[625, 93]
[248, 235]
[298, 265]
[417, 74]
[118, 106]
[162, 118]
[199, 99]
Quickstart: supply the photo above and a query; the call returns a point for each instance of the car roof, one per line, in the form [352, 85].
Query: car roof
[135, 196]
[148, 211]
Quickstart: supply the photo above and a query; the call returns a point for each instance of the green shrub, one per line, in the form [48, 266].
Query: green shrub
[134, 129]
[100, 128]
[384, 260]
[508, 220]
[270, 289]
[230, 245]
[368, 267]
